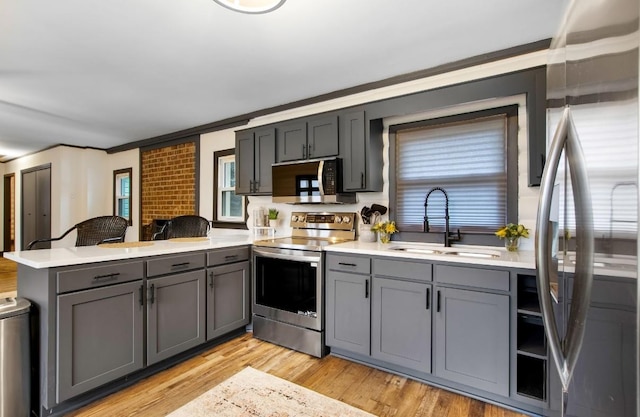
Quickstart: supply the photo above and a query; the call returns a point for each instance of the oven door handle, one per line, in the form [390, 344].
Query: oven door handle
[297, 258]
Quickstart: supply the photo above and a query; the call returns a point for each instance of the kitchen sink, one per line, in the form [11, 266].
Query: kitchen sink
[485, 254]
[418, 250]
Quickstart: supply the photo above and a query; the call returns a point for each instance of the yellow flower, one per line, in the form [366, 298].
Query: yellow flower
[512, 230]
[385, 227]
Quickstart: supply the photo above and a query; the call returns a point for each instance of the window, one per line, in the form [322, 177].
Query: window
[122, 193]
[229, 208]
[470, 156]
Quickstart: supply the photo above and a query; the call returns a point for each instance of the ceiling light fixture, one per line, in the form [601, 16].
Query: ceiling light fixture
[251, 6]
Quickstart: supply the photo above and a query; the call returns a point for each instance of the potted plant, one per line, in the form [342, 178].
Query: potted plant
[512, 233]
[273, 217]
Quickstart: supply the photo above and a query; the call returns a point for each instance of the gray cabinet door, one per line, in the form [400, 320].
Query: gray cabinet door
[322, 137]
[100, 337]
[472, 339]
[348, 324]
[292, 142]
[401, 323]
[244, 162]
[227, 298]
[175, 314]
[265, 156]
[353, 151]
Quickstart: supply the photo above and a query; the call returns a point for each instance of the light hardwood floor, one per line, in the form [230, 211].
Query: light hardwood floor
[377, 392]
[8, 271]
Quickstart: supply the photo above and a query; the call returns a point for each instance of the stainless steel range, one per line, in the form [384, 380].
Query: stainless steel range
[288, 280]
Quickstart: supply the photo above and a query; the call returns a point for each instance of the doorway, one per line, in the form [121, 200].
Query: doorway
[36, 206]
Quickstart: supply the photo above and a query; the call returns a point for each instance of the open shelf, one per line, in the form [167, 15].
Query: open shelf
[531, 377]
[531, 348]
[531, 338]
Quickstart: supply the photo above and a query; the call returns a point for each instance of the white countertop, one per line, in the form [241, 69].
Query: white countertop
[495, 256]
[49, 258]
[604, 265]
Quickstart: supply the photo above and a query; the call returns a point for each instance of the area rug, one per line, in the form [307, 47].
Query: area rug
[252, 393]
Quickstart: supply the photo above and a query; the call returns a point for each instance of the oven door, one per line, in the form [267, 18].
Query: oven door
[287, 286]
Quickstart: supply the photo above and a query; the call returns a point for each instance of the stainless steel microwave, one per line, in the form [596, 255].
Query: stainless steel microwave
[317, 181]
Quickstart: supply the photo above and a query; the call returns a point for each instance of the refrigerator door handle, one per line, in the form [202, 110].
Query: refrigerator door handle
[565, 352]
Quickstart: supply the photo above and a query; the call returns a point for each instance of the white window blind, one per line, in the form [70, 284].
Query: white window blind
[468, 160]
[608, 136]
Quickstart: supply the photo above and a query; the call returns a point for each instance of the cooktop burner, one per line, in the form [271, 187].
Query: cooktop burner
[314, 231]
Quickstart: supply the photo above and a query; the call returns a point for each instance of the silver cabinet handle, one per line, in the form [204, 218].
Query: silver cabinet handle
[565, 352]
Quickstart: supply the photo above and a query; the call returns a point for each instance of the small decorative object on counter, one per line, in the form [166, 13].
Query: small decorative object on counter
[273, 217]
[385, 230]
[511, 233]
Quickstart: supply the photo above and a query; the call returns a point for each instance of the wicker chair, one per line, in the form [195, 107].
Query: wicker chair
[184, 226]
[94, 231]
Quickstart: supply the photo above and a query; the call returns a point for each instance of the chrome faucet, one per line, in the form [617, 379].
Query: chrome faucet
[448, 238]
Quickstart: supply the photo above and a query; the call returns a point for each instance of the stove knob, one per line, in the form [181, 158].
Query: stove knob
[294, 218]
[301, 218]
[337, 219]
[346, 219]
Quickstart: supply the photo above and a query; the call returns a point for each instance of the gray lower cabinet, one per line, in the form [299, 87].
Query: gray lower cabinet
[348, 324]
[99, 337]
[175, 314]
[401, 323]
[472, 339]
[228, 298]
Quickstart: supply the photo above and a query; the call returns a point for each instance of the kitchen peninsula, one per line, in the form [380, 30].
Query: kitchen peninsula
[110, 315]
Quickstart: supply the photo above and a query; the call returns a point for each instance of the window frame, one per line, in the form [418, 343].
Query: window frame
[216, 222]
[128, 172]
[511, 153]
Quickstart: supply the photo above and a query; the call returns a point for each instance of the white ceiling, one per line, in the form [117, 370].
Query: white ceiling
[104, 73]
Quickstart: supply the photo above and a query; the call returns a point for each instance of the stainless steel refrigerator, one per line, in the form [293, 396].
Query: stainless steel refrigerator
[587, 226]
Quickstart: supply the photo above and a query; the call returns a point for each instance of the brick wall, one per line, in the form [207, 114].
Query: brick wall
[168, 182]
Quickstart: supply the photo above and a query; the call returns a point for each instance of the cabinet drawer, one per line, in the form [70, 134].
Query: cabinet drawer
[226, 256]
[473, 277]
[349, 264]
[402, 269]
[98, 276]
[172, 264]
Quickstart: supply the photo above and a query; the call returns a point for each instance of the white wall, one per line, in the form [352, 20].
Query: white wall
[80, 187]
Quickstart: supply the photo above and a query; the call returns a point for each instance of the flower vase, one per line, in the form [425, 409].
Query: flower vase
[512, 243]
[384, 237]
[273, 223]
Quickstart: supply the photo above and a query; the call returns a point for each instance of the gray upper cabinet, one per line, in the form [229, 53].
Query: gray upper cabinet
[313, 138]
[348, 312]
[255, 153]
[100, 337]
[175, 314]
[322, 136]
[228, 299]
[401, 323]
[472, 339]
[361, 152]
[291, 142]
